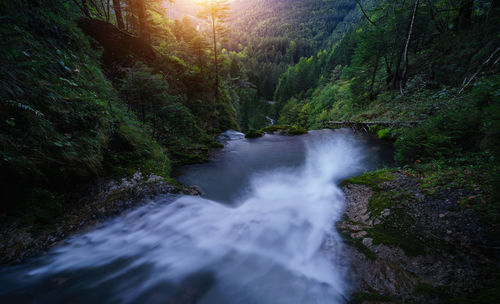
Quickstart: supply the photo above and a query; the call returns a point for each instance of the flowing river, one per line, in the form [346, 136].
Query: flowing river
[262, 232]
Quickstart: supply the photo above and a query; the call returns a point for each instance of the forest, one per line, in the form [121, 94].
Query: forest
[433, 62]
[94, 90]
[109, 87]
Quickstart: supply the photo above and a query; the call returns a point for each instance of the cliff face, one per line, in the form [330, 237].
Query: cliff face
[406, 244]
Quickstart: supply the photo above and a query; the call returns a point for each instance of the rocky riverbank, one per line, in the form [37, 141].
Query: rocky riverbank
[409, 245]
[102, 200]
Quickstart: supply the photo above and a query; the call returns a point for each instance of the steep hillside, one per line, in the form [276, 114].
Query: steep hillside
[76, 107]
[279, 33]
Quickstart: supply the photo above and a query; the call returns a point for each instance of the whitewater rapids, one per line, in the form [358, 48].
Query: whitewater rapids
[274, 243]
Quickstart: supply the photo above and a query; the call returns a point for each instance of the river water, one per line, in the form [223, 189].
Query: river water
[262, 232]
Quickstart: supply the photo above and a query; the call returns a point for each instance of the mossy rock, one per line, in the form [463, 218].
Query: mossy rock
[215, 144]
[370, 179]
[190, 156]
[358, 244]
[254, 134]
[390, 236]
[386, 200]
[274, 128]
[285, 130]
[293, 130]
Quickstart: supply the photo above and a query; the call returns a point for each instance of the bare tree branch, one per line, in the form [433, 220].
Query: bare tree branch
[82, 8]
[364, 13]
[410, 31]
[480, 69]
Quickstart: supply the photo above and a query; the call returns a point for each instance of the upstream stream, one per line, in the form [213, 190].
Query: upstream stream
[262, 232]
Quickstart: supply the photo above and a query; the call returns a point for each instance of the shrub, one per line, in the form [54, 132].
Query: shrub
[170, 122]
[441, 136]
[253, 134]
[383, 134]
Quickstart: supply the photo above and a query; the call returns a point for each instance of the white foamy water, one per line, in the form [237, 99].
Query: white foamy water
[275, 243]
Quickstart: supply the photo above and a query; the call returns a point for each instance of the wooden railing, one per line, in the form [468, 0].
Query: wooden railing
[364, 125]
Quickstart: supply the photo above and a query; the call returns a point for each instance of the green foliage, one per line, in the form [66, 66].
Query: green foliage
[441, 136]
[370, 179]
[390, 236]
[371, 59]
[62, 123]
[253, 134]
[132, 148]
[384, 200]
[383, 134]
[252, 110]
[41, 207]
[296, 130]
[276, 34]
[56, 106]
[170, 121]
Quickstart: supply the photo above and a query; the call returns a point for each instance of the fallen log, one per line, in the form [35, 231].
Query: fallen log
[365, 125]
[375, 123]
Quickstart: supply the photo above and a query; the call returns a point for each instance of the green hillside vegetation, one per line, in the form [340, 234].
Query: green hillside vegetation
[269, 36]
[74, 107]
[449, 82]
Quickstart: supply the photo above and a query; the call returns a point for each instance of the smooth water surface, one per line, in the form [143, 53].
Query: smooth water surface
[262, 232]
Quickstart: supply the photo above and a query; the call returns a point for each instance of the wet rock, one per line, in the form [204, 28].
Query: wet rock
[358, 235]
[194, 190]
[420, 241]
[100, 201]
[367, 242]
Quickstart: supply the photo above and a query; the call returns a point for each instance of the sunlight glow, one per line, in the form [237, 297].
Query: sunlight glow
[181, 8]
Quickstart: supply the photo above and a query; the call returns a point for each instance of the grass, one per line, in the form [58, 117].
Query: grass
[371, 179]
[254, 133]
[390, 236]
[386, 200]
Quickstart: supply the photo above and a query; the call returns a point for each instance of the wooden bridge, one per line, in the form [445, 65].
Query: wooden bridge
[365, 125]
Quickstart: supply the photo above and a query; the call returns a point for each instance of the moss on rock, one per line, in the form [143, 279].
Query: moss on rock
[370, 179]
[284, 130]
[254, 133]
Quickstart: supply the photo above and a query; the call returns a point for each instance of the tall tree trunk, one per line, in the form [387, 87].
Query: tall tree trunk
[118, 14]
[143, 24]
[103, 8]
[397, 77]
[143, 114]
[216, 61]
[130, 18]
[388, 70]
[404, 76]
[108, 10]
[374, 76]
